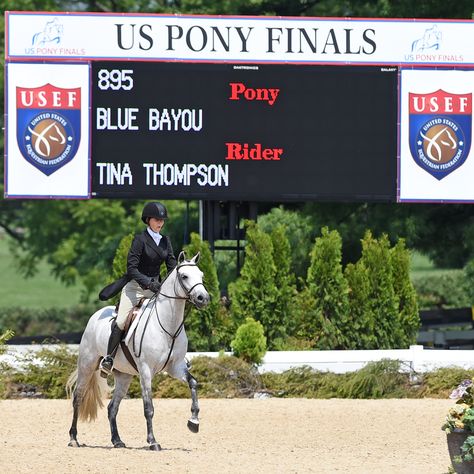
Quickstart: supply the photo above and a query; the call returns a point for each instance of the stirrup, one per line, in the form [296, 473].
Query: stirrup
[106, 366]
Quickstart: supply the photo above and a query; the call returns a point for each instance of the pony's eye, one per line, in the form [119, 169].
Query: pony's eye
[184, 277]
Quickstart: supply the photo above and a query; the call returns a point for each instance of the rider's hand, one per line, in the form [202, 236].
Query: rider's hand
[154, 286]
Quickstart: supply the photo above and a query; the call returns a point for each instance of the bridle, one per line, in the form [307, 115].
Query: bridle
[179, 279]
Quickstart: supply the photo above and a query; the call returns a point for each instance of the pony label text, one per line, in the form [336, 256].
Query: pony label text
[238, 90]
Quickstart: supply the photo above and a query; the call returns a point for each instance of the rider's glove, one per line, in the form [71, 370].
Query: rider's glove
[154, 286]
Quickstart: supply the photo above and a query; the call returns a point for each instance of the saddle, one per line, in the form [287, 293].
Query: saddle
[130, 318]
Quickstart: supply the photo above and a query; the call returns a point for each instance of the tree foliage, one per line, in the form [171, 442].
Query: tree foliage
[327, 284]
[299, 232]
[285, 284]
[360, 333]
[202, 326]
[408, 312]
[254, 294]
[79, 238]
[384, 301]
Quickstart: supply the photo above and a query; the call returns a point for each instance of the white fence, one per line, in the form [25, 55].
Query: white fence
[416, 358]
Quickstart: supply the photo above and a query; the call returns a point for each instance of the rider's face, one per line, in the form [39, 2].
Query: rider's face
[156, 224]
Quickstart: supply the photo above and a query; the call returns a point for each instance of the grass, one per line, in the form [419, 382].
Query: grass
[41, 291]
[421, 266]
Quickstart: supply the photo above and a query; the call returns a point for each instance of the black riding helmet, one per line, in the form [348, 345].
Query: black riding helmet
[154, 209]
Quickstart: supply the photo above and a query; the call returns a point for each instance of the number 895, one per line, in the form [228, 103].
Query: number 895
[115, 79]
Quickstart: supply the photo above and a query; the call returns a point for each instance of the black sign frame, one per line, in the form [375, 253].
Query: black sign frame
[266, 132]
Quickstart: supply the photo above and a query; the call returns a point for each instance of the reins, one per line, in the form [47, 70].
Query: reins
[154, 299]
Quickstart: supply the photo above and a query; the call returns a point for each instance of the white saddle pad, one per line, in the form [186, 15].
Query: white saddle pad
[143, 313]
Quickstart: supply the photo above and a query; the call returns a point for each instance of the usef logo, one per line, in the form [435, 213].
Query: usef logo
[48, 125]
[440, 131]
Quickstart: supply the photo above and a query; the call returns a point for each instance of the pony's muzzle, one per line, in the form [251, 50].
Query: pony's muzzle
[201, 299]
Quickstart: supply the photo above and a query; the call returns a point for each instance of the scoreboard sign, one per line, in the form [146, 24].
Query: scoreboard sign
[237, 108]
[243, 132]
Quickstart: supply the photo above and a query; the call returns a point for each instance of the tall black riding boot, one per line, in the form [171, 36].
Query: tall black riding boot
[107, 362]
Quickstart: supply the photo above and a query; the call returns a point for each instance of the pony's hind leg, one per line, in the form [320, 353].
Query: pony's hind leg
[77, 384]
[122, 382]
[73, 431]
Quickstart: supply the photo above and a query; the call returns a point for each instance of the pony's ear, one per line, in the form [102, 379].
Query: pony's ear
[196, 258]
[181, 257]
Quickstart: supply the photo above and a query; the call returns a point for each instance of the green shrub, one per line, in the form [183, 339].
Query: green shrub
[250, 343]
[303, 382]
[440, 383]
[377, 380]
[7, 334]
[5, 370]
[218, 377]
[231, 377]
[44, 373]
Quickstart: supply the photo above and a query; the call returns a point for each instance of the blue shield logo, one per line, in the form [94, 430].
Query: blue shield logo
[48, 125]
[440, 131]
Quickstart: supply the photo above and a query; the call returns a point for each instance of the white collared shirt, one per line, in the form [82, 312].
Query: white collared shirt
[155, 235]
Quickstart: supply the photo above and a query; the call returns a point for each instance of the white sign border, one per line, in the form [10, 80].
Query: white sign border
[419, 186]
[85, 145]
[397, 41]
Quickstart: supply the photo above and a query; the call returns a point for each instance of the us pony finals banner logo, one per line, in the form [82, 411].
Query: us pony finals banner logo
[440, 130]
[48, 125]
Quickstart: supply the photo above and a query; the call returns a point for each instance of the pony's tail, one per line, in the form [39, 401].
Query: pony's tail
[90, 396]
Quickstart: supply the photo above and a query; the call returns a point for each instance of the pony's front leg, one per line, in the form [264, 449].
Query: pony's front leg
[145, 382]
[193, 422]
[181, 372]
[122, 382]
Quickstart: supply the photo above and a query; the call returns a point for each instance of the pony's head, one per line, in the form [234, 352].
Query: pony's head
[190, 279]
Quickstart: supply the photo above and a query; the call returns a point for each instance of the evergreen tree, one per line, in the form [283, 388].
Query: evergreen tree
[384, 301]
[254, 294]
[299, 231]
[202, 325]
[285, 285]
[408, 311]
[327, 283]
[308, 321]
[361, 317]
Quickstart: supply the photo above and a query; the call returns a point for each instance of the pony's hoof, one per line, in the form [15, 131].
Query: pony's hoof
[74, 444]
[193, 426]
[155, 447]
[119, 444]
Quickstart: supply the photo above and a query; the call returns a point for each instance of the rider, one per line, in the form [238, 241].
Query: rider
[147, 252]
